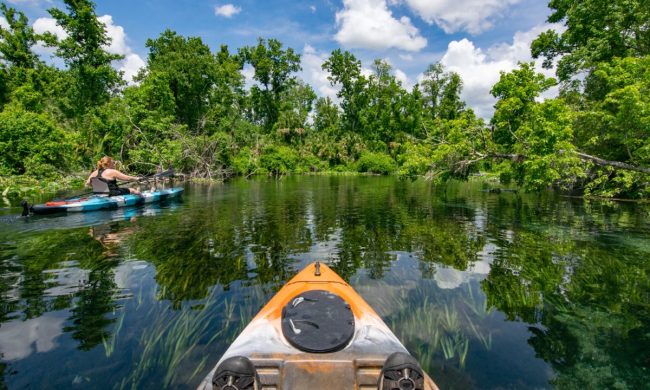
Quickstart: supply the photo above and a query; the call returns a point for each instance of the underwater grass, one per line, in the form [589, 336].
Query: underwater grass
[190, 337]
[111, 344]
[432, 323]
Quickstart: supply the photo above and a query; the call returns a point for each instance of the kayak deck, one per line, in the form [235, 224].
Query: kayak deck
[282, 366]
[102, 202]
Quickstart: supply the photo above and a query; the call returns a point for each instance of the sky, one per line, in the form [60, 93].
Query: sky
[475, 38]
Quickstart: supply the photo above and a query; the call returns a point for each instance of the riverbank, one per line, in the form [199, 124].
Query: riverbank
[15, 188]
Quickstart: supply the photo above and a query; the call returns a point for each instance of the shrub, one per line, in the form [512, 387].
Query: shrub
[375, 163]
[310, 163]
[31, 143]
[278, 160]
[415, 159]
[244, 162]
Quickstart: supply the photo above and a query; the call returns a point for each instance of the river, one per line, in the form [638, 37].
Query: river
[488, 290]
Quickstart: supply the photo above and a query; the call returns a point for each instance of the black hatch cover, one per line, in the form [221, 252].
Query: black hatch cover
[318, 321]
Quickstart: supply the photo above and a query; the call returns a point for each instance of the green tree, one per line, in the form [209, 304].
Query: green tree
[535, 137]
[609, 43]
[4, 88]
[614, 124]
[458, 146]
[274, 68]
[83, 51]
[295, 108]
[227, 97]
[385, 116]
[516, 92]
[326, 116]
[597, 31]
[190, 71]
[31, 143]
[345, 72]
[17, 40]
[25, 79]
[441, 92]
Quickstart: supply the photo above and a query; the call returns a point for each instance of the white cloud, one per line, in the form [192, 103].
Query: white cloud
[249, 73]
[227, 10]
[31, 3]
[403, 78]
[406, 57]
[42, 25]
[132, 62]
[313, 73]
[312, 8]
[19, 339]
[369, 24]
[367, 72]
[480, 69]
[473, 16]
[3, 22]
[131, 65]
[118, 43]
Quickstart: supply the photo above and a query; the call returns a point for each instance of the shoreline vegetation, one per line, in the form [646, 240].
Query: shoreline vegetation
[190, 108]
[17, 188]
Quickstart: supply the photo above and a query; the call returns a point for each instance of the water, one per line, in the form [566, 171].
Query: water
[488, 291]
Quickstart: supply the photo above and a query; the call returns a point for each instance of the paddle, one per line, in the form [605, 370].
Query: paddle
[167, 173]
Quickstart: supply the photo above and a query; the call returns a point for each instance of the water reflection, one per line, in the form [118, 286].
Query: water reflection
[488, 290]
[21, 339]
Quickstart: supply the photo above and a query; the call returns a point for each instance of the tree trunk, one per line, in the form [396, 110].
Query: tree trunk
[583, 156]
[615, 164]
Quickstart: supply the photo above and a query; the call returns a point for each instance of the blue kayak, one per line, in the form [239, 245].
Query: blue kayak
[103, 202]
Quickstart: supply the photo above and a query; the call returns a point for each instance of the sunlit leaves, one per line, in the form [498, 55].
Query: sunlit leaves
[597, 31]
[83, 51]
[274, 69]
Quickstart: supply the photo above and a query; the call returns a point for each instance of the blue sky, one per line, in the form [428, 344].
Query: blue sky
[476, 38]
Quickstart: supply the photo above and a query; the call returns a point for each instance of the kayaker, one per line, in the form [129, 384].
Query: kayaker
[105, 177]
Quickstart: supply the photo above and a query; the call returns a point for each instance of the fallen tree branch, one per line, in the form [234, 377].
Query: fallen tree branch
[615, 164]
[596, 160]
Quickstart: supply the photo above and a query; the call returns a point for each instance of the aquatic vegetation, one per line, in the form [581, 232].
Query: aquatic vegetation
[542, 288]
[175, 339]
[110, 341]
[429, 322]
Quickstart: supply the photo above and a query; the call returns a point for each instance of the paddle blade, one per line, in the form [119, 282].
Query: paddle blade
[167, 173]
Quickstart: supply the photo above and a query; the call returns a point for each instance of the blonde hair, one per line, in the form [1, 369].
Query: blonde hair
[105, 162]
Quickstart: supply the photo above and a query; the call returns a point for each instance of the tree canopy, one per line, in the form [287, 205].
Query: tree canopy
[192, 107]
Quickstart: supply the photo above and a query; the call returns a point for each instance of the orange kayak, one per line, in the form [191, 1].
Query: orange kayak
[316, 333]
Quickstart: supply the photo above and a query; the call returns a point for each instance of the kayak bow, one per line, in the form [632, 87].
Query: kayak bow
[316, 333]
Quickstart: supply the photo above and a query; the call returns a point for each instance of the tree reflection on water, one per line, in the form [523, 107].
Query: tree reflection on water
[459, 274]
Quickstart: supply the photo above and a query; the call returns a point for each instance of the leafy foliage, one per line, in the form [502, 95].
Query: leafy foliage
[273, 68]
[278, 160]
[83, 50]
[375, 163]
[31, 143]
[190, 107]
[598, 32]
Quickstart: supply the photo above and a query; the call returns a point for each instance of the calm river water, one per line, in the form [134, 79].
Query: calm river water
[488, 291]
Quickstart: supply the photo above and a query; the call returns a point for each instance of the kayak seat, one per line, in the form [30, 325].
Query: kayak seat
[401, 372]
[236, 373]
[99, 187]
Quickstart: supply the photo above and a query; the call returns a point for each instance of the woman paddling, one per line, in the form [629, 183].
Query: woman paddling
[108, 175]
